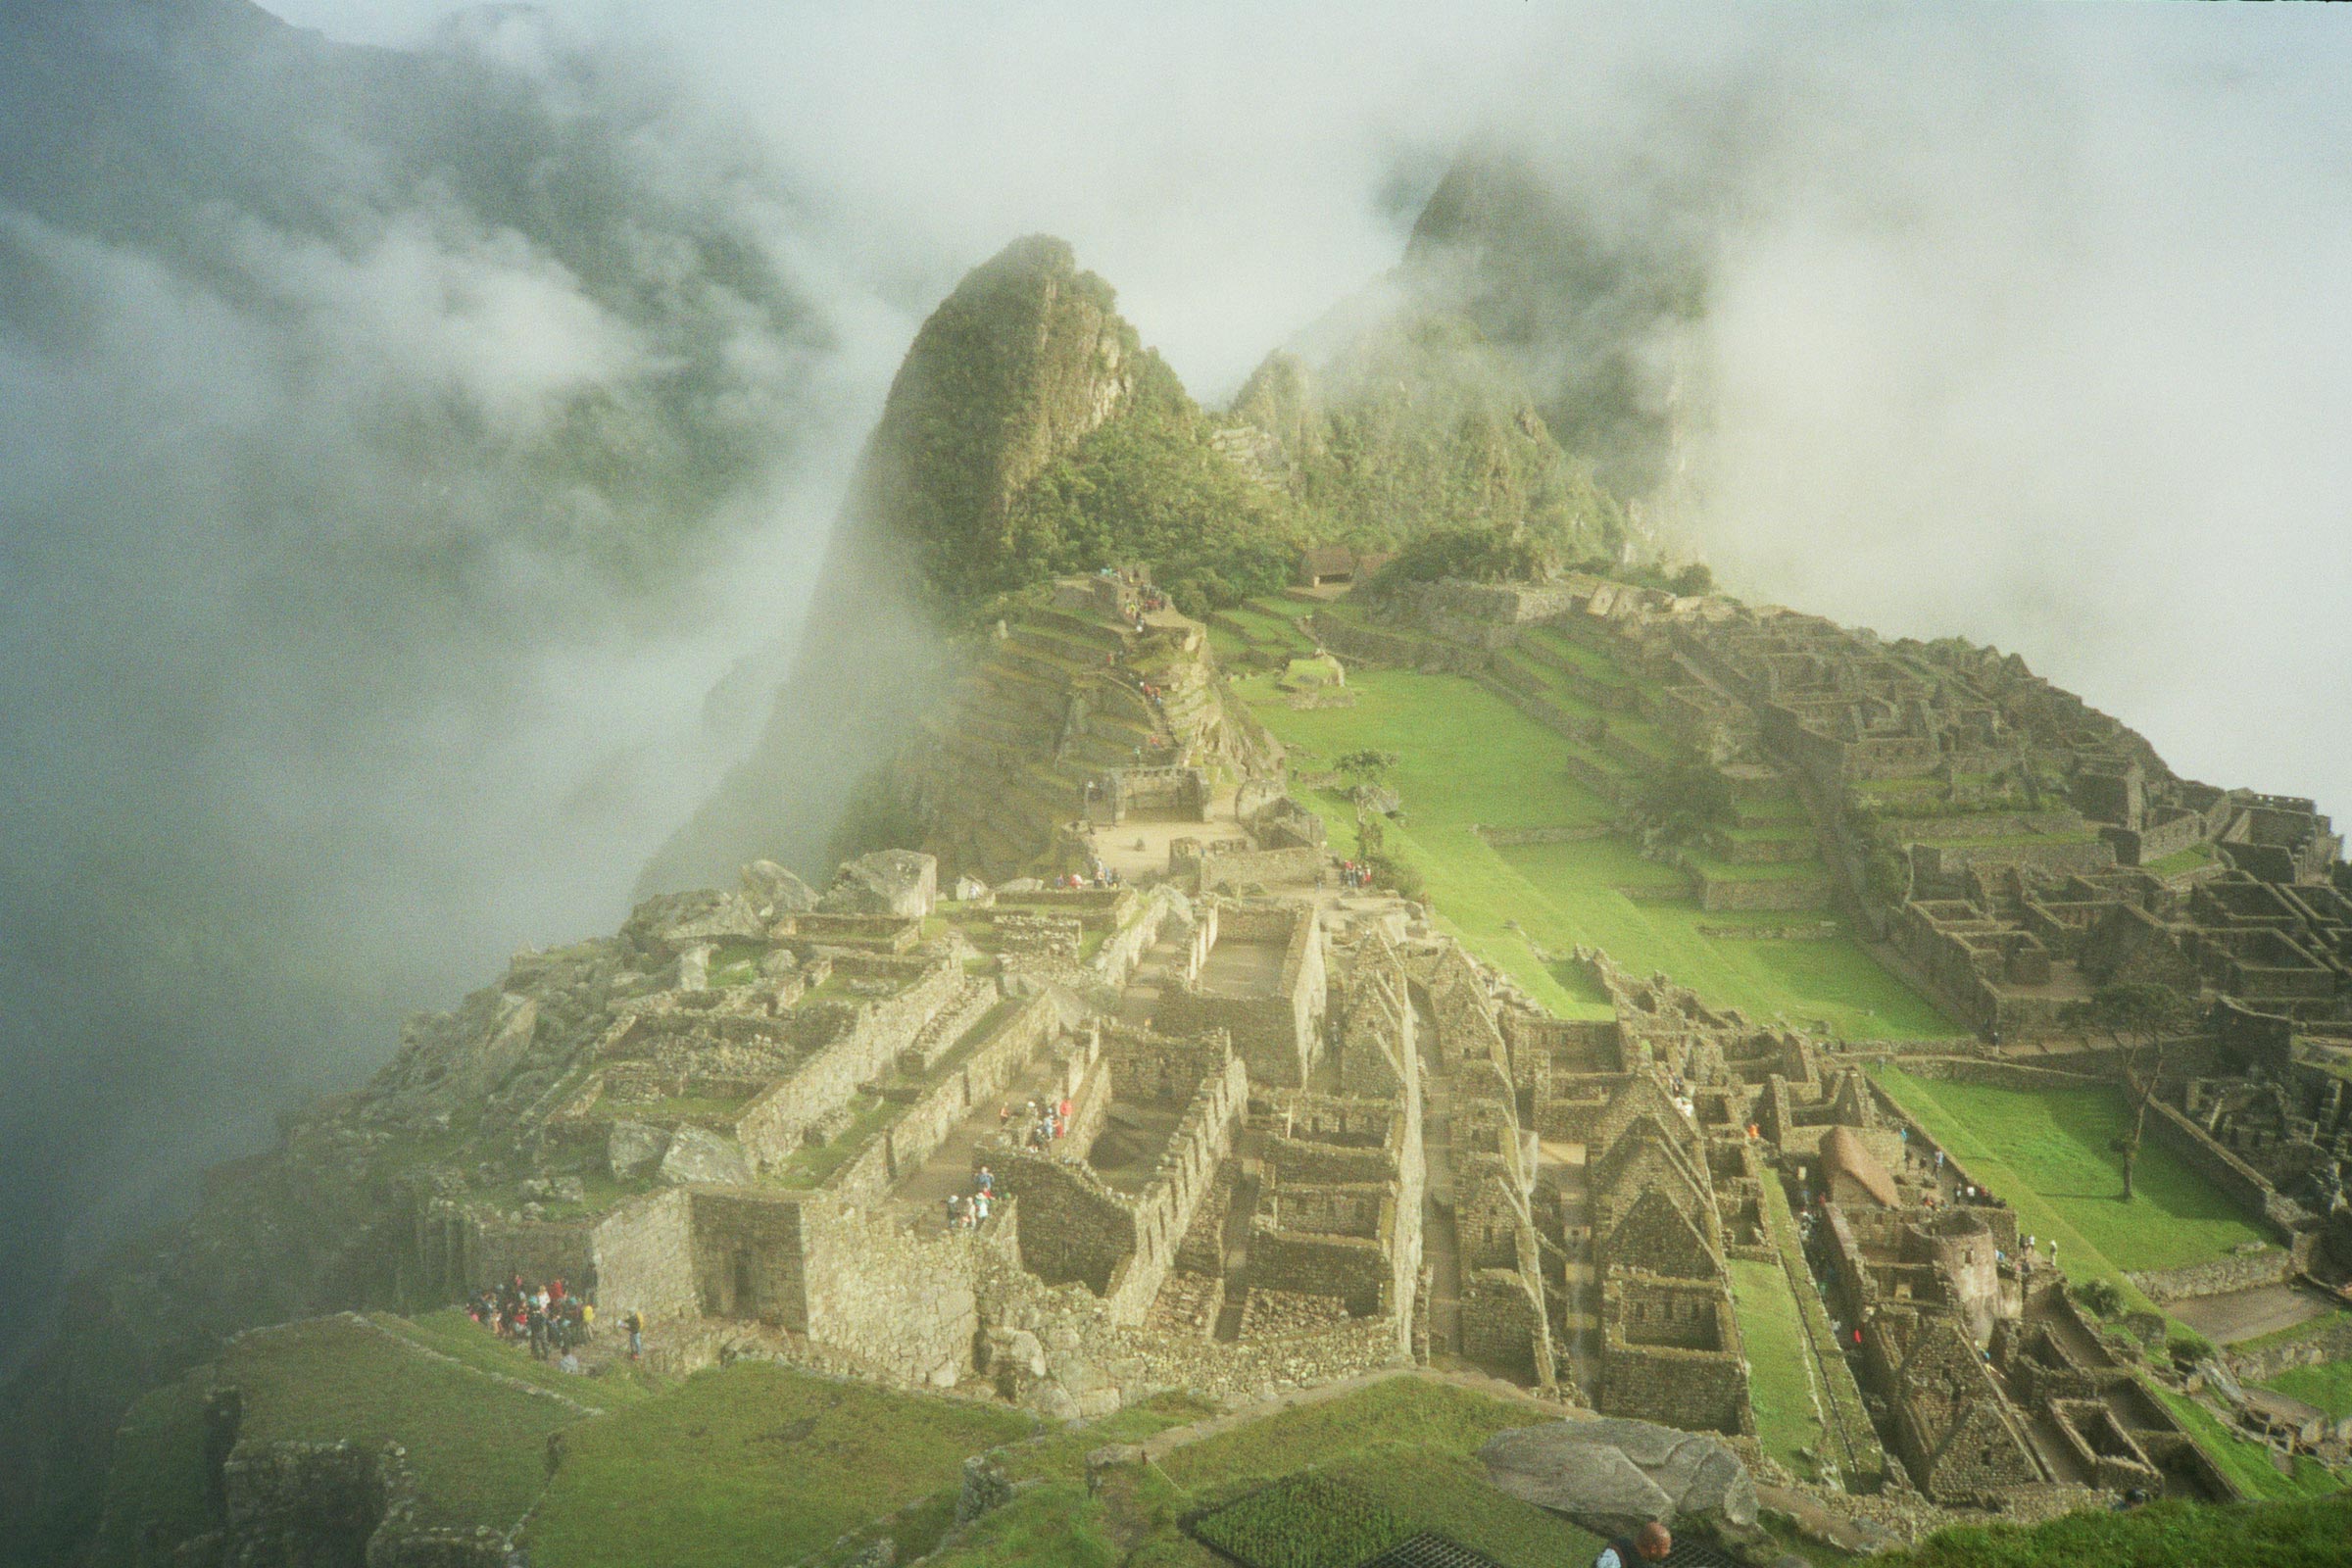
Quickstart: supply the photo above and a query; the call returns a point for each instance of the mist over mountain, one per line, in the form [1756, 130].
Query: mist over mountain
[398, 446]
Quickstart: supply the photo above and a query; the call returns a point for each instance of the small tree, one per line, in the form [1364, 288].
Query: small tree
[2141, 1019]
[1368, 766]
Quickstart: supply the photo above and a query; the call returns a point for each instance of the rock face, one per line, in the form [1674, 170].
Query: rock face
[774, 891]
[1013, 369]
[675, 921]
[893, 882]
[1615, 1475]
[631, 1146]
[697, 1154]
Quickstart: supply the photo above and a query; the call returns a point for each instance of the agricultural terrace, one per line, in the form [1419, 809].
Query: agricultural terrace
[1469, 759]
[1781, 1383]
[2047, 1154]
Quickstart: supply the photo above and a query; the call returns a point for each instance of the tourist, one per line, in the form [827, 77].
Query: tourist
[1939, 1162]
[955, 1211]
[635, 1324]
[979, 1210]
[1063, 1109]
[587, 1321]
[986, 1181]
[1652, 1543]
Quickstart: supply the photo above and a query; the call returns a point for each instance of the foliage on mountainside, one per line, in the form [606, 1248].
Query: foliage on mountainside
[1149, 486]
[1414, 423]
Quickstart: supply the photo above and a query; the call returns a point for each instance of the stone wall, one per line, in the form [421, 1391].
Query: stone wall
[2225, 1171]
[1237, 869]
[644, 1253]
[771, 1129]
[2240, 1271]
[749, 1256]
[903, 1302]
[1500, 1318]
[1670, 1352]
[1276, 1031]
[1350, 1268]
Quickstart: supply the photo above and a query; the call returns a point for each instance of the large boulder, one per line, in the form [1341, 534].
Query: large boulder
[775, 891]
[670, 923]
[631, 1146]
[697, 1154]
[892, 882]
[1613, 1475]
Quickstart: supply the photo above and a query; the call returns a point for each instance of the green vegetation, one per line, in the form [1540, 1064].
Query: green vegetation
[1469, 759]
[1305, 1521]
[2183, 860]
[157, 1483]
[2163, 1534]
[1399, 1412]
[1779, 1380]
[478, 1446]
[452, 1334]
[1416, 423]
[2293, 1333]
[2050, 1155]
[1149, 486]
[2326, 1385]
[2248, 1463]
[752, 1463]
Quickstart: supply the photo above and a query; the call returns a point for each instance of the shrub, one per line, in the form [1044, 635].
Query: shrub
[2099, 1296]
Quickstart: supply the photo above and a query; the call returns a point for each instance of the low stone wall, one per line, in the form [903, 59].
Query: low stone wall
[2331, 1344]
[771, 1128]
[1352, 1270]
[1231, 870]
[1504, 838]
[2224, 1169]
[1719, 893]
[2237, 1273]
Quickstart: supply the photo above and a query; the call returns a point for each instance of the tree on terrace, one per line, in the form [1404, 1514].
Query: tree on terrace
[2141, 1019]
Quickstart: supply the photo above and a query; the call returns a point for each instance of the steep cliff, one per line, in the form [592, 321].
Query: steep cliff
[1027, 434]
[1025, 356]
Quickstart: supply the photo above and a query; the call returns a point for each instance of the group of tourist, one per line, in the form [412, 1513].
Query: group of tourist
[1047, 1121]
[553, 1321]
[1355, 875]
[968, 1211]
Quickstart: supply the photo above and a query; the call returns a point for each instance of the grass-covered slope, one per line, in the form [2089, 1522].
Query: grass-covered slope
[753, 1463]
[1468, 758]
[2047, 1153]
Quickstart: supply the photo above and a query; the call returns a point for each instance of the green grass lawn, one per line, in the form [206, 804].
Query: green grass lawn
[1779, 1384]
[2328, 1385]
[478, 1446]
[2046, 1151]
[2163, 1534]
[2246, 1462]
[1396, 1412]
[1468, 758]
[452, 1334]
[752, 1463]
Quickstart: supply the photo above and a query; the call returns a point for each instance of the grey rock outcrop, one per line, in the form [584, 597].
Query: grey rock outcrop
[631, 1146]
[775, 891]
[890, 882]
[1614, 1475]
[697, 1154]
[673, 922]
